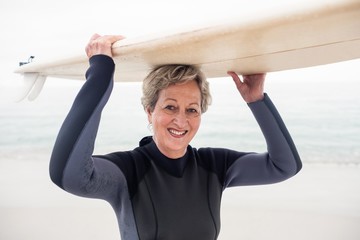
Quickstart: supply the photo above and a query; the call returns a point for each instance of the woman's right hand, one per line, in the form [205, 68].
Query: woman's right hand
[251, 87]
[101, 45]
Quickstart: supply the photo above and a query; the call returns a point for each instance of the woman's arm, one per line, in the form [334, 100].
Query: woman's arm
[282, 159]
[71, 166]
[279, 163]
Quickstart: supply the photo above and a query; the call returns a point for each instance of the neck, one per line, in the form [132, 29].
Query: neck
[173, 154]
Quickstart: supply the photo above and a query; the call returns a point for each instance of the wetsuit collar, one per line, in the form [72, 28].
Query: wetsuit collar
[172, 166]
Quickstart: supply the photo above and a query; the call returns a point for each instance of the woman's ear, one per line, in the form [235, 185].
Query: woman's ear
[149, 114]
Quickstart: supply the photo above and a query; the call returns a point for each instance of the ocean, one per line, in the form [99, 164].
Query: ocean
[321, 113]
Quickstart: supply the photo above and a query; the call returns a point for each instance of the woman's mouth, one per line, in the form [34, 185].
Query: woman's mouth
[177, 133]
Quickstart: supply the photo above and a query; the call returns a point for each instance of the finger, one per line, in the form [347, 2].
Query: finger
[91, 40]
[94, 37]
[257, 76]
[249, 80]
[114, 38]
[110, 39]
[101, 44]
[236, 78]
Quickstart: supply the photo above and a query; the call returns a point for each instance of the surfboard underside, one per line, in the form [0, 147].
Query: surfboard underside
[295, 38]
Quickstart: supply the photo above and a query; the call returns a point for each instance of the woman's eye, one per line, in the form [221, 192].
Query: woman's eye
[193, 112]
[170, 109]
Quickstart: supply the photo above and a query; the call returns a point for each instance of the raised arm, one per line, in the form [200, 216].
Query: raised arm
[282, 160]
[71, 166]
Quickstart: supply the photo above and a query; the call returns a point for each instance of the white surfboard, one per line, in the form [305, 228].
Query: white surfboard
[326, 32]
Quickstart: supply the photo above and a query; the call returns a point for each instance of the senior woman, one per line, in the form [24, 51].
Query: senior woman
[165, 189]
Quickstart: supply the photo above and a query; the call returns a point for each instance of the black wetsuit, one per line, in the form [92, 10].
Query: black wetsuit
[155, 197]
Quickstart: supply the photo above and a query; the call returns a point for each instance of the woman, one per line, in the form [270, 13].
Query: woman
[165, 189]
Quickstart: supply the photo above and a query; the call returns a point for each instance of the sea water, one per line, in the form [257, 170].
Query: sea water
[322, 115]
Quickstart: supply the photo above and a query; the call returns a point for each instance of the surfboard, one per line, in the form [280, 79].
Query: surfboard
[324, 32]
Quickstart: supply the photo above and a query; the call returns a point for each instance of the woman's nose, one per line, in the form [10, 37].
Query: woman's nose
[181, 119]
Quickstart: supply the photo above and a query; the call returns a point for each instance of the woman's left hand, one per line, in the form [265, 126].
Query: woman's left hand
[101, 45]
[251, 87]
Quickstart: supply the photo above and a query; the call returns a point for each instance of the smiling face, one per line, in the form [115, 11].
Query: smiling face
[176, 118]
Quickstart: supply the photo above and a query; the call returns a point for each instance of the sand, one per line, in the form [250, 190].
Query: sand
[321, 202]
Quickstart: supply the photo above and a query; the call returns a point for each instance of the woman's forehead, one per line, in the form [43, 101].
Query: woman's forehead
[184, 91]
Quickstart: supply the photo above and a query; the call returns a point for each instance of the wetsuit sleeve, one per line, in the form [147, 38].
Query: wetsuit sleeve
[72, 166]
[280, 162]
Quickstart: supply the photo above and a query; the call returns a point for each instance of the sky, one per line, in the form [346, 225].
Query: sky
[48, 28]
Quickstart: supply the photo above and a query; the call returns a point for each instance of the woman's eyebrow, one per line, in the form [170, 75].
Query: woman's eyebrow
[170, 99]
[195, 103]
[174, 100]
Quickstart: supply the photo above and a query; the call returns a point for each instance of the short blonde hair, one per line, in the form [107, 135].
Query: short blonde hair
[163, 76]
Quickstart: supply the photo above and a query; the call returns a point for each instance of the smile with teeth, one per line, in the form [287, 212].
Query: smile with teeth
[177, 133]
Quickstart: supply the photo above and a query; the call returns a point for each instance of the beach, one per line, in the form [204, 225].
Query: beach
[321, 202]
